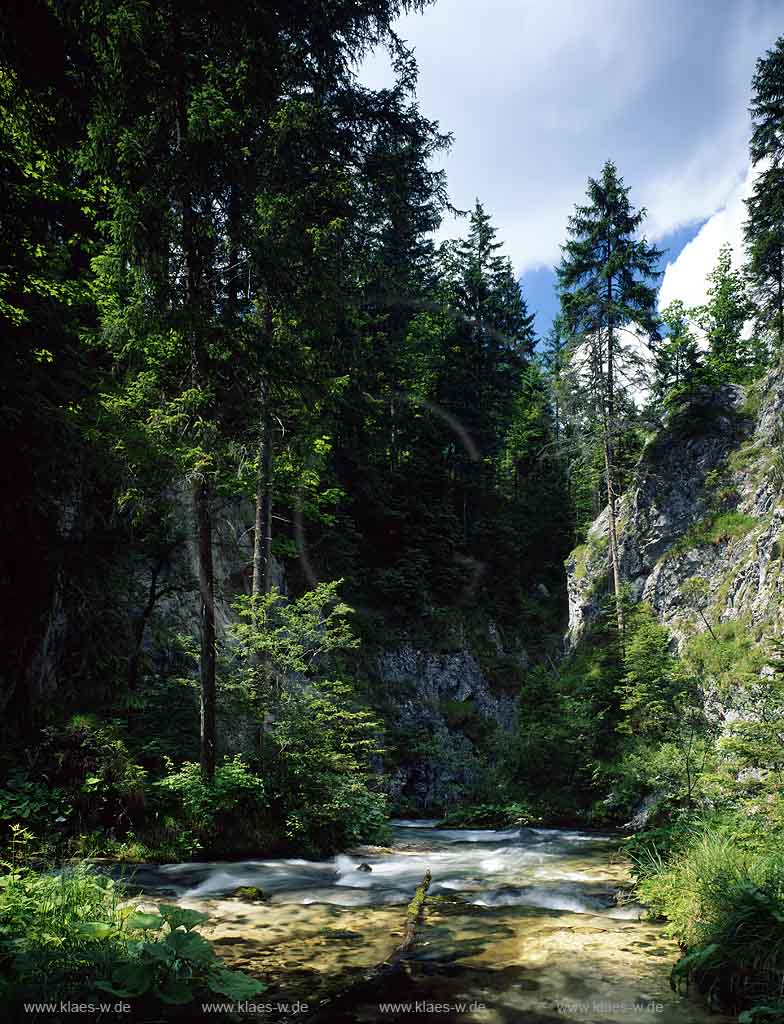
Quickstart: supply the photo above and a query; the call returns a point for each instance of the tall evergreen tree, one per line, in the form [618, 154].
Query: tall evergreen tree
[605, 280]
[493, 339]
[50, 475]
[764, 228]
[181, 110]
[554, 353]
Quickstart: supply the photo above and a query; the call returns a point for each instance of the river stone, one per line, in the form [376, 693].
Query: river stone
[250, 893]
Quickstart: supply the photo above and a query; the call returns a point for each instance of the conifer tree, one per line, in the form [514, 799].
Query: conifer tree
[182, 103]
[764, 228]
[605, 280]
[677, 361]
[493, 338]
[554, 353]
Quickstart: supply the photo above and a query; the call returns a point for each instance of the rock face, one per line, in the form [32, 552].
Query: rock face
[701, 526]
[441, 706]
[441, 677]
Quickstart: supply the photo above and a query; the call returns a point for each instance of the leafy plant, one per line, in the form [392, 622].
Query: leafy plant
[236, 793]
[177, 966]
[74, 931]
[725, 904]
[32, 803]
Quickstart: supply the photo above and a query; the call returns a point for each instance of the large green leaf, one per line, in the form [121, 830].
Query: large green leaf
[94, 929]
[129, 980]
[144, 921]
[191, 946]
[159, 951]
[174, 991]
[234, 984]
[182, 917]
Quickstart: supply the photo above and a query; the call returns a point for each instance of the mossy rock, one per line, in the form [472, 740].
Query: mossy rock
[250, 893]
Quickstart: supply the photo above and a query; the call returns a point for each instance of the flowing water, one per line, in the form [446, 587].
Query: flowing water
[521, 925]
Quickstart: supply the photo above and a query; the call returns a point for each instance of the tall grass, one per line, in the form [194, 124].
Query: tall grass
[60, 931]
[725, 905]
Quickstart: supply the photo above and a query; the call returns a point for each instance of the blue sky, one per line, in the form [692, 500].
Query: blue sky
[539, 284]
[539, 93]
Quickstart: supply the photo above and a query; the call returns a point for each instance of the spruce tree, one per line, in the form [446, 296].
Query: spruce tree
[182, 103]
[554, 354]
[606, 280]
[764, 228]
[493, 336]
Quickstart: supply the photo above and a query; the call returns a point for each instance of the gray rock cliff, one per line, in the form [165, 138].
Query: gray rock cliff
[701, 526]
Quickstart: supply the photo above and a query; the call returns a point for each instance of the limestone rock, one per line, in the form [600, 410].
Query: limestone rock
[705, 505]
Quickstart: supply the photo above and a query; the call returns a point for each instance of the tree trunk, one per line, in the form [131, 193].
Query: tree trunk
[612, 530]
[196, 313]
[262, 536]
[608, 431]
[134, 662]
[201, 506]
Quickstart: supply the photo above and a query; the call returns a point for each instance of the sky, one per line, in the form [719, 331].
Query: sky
[539, 93]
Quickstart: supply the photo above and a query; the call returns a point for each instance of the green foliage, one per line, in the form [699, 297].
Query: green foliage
[232, 802]
[650, 850]
[763, 232]
[678, 365]
[86, 783]
[715, 529]
[316, 739]
[178, 966]
[464, 716]
[726, 906]
[567, 717]
[606, 282]
[57, 930]
[72, 932]
[494, 815]
[729, 662]
[754, 743]
[731, 357]
[322, 747]
[291, 635]
[32, 804]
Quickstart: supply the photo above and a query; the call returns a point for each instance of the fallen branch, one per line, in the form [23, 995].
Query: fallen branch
[393, 962]
[413, 918]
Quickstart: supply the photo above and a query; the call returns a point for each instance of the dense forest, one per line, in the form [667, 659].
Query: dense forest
[298, 508]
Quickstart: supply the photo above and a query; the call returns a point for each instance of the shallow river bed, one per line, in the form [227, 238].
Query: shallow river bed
[521, 925]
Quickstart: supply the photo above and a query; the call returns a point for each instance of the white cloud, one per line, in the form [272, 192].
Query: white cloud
[685, 277]
[539, 93]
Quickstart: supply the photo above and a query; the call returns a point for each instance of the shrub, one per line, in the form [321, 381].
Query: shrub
[232, 804]
[336, 812]
[320, 762]
[31, 803]
[496, 816]
[714, 530]
[88, 760]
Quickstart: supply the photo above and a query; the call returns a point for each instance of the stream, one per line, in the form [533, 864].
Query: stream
[520, 925]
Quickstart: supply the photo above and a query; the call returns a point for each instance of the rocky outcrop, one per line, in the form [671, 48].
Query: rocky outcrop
[437, 678]
[445, 706]
[701, 526]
